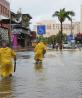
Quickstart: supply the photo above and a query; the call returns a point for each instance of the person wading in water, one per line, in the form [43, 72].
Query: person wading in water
[6, 55]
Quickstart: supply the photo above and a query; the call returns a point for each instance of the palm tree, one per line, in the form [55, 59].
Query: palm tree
[62, 16]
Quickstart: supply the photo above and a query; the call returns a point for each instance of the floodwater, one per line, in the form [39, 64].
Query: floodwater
[60, 76]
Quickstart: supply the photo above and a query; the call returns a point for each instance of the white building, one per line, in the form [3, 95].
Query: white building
[52, 28]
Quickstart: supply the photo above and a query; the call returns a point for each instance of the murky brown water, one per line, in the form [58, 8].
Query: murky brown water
[60, 76]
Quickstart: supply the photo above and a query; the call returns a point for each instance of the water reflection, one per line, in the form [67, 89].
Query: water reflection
[59, 76]
[6, 88]
[38, 67]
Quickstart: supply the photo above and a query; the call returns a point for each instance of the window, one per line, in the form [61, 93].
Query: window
[3, 10]
[0, 8]
[8, 13]
[53, 26]
[49, 26]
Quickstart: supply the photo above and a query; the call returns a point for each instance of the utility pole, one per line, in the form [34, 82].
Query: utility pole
[9, 33]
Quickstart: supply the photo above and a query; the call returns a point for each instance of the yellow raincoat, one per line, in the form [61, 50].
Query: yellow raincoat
[6, 67]
[39, 51]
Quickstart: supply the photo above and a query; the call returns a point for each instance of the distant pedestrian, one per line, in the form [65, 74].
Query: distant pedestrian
[39, 50]
[78, 45]
[6, 55]
[57, 46]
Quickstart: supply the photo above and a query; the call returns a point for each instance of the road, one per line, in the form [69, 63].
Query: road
[60, 76]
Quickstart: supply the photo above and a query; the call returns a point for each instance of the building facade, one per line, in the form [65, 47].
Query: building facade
[4, 14]
[21, 33]
[81, 18]
[4, 8]
[52, 28]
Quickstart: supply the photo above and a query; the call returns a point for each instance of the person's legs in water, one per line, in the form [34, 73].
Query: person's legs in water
[37, 61]
[6, 71]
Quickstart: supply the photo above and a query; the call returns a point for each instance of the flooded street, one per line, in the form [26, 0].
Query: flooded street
[60, 76]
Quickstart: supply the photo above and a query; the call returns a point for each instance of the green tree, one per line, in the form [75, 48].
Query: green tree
[62, 16]
[58, 37]
[52, 39]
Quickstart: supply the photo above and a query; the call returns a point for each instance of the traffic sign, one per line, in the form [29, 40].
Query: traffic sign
[41, 29]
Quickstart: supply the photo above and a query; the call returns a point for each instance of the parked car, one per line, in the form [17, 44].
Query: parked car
[66, 45]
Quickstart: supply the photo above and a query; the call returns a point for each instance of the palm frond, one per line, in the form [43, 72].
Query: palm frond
[56, 14]
[62, 14]
[71, 13]
[69, 18]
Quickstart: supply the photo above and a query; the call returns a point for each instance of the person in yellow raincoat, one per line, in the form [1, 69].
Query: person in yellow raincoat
[39, 52]
[6, 55]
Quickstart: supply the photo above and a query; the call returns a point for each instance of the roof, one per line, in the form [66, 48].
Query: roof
[13, 14]
[28, 15]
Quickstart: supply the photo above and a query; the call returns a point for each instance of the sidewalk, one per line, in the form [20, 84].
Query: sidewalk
[76, 49]
[24, 49]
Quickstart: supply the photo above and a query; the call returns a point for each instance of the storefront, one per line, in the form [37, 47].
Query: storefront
[21, 38]
[4, 14]
[4, 33]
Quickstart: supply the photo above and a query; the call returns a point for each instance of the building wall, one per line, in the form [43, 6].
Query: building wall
[52, 28]
[81, 19]
[4, 8]
[4, 14]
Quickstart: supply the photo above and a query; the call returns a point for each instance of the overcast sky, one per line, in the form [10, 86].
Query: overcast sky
[43, 9]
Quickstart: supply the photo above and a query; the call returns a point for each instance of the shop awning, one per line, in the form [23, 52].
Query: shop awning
[7, 21]
[18, 26]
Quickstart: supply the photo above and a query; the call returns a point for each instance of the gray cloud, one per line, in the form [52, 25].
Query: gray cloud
[45, 8]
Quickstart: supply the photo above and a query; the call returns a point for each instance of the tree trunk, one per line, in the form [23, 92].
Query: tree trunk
[61, 43]
[71, 26]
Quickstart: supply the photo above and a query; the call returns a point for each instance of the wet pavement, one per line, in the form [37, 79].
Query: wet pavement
[60, 76]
